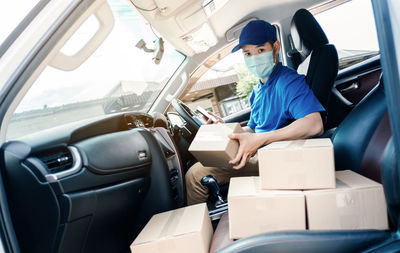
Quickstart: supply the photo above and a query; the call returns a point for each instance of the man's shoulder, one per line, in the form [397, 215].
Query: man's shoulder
[288, 76]
[289, 73]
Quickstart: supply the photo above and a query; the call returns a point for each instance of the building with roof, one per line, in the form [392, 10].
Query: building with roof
[217, 95]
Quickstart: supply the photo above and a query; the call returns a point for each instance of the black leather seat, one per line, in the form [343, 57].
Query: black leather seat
[353, 141]
[319, 59]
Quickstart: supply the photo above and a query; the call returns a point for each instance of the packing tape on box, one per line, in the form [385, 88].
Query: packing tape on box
[344, 199]
[297, 144]
[169, 244]
[208, 138]
[298, 179]
[263, 205]
[171, 225]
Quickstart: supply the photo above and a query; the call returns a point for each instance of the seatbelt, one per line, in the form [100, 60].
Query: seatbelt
[293, 53]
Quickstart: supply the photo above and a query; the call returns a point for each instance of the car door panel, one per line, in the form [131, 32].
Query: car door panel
[351, 86]
[355, 90]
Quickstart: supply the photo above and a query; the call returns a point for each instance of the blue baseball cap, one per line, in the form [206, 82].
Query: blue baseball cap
[256, 32]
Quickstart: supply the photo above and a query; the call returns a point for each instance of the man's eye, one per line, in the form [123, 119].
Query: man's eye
[246, 54]
[260, 50]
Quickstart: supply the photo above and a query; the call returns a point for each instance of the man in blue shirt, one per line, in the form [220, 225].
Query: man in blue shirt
[282, 108]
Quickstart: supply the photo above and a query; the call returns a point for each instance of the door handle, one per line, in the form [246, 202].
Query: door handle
[353, 86]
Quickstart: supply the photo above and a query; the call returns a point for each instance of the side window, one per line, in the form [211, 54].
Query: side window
[351, 28]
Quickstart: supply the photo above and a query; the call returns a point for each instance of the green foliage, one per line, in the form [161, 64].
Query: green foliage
[246, 82]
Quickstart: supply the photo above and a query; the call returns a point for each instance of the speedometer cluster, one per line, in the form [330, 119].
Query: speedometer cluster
[138, 120]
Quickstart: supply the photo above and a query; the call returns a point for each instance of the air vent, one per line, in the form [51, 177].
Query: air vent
[56, 160]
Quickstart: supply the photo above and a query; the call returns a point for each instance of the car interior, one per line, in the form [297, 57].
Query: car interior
[76, 181]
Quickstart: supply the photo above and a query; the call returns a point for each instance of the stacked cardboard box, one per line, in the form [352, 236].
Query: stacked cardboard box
[297, 184]
[185, 229]
[212, 146]
[254, 211]
[356, 203]
[297, 165]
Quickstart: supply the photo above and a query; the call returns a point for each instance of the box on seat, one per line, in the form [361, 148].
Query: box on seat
[212, 146]
[297, 165]
[254, 211]
[185, 229]
[356, 203]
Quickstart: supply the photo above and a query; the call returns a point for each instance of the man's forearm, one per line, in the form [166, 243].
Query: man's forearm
[306, 127]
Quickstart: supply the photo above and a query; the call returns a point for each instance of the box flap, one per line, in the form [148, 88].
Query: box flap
[173, 223]
[318, 142]
[355, 180]
[214, 136]
[242, 186]
[297, 144]
[250, 186]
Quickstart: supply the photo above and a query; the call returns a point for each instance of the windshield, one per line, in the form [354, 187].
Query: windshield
[118, 77]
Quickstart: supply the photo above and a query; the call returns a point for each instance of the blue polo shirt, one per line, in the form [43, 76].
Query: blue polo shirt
[284, 97]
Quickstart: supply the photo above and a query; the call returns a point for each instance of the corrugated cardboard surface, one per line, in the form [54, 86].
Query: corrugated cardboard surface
[212, 146]
[186, 229]
[254, 211]
[297, 165]
[356, 203]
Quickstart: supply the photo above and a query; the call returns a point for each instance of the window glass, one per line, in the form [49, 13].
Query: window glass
[351, 28]
[224, 89]
[117, 77]
[12, 13]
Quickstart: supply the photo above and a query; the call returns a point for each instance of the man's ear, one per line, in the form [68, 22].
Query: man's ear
[277, 47]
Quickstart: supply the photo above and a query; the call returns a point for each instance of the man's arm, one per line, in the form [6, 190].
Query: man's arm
[306, 127]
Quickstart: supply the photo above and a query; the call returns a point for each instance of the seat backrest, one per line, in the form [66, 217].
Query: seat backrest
[319, 58]
[360, 139]
[391, 183]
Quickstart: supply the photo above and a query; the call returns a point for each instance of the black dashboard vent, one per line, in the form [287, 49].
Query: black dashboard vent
[57, 160]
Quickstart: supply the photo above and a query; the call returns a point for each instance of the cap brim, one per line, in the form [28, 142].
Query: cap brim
[239, 46]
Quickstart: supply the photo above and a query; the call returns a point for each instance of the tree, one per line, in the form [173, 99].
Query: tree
[246, 82]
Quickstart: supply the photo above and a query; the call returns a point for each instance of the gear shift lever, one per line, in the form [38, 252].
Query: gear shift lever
[213, 188]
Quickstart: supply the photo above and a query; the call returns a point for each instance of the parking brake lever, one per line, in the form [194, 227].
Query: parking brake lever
[213, 188]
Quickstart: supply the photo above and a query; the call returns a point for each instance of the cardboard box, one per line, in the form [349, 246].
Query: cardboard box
[356, 203]
[297, 165]
[186, 229]
[254, 211]
[212, 146]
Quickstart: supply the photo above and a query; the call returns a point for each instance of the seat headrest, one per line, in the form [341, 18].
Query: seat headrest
[306, 33]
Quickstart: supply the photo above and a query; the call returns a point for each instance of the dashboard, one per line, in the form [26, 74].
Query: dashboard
[114, 171]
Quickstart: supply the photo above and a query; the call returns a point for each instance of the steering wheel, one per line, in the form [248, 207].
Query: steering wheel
[186, 113]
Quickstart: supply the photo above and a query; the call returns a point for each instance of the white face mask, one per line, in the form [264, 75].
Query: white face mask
[260, 65]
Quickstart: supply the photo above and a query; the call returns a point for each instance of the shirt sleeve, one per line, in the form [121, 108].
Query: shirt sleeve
[300, 99]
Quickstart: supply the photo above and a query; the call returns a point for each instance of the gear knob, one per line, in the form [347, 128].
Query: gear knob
[213, 188]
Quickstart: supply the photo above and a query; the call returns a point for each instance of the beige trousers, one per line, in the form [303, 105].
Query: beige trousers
[197, 193]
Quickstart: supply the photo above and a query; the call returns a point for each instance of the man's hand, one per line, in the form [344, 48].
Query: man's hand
[249, 143]
[306, 127]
